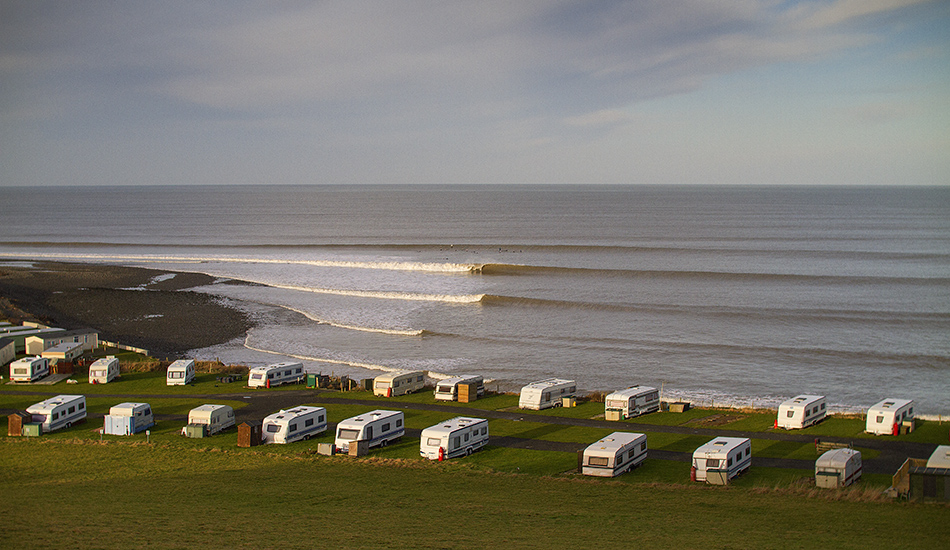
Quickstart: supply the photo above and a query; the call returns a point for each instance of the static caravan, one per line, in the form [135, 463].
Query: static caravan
[29, 369]
[128, 419]
[276, 375]
[546, 393]
[393, 384]
[448, 388]
[180, 373]
[215, 417]
[885, 417]
[631, 402]
[615, 454]
[801, 411]
[104, 370]
[460, 436]
[378, 427]
[58, 412]
[294, 425]
[940, 458]
[721, 459]
[838, 468]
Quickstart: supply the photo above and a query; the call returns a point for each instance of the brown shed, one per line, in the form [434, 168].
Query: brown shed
[249, 435]
[16, 421]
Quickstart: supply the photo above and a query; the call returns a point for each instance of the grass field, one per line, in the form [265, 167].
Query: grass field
[77, 493]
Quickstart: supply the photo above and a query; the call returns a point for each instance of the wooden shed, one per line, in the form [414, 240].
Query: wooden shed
[249, 435]
[16, 421]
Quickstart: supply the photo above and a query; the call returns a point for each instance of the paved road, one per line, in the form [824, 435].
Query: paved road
[261, 403]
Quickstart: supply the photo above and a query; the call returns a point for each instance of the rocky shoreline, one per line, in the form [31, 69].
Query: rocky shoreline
[151, 309]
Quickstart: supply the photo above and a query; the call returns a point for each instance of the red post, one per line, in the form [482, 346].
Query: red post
[441, 454]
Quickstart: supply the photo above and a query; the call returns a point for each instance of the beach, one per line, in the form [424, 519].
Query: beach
[144, 308]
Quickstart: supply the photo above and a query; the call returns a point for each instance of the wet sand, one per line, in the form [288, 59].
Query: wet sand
[125, 304]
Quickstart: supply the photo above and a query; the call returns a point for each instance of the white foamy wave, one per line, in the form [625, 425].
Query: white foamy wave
[386, 295]
[433, 267]
[443, 375]
[397, 332]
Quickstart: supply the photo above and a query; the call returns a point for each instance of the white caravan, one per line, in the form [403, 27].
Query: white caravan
[447, 389]
[460, 436]
[631, 402]
[58, 412]
[378, 427]
[180, 373]
[721, 459]
[128, 419]
[29, 369]
[276, 375]
[546, 393]
[940, 458]
[294, 424]
[393, 384]
[104, 370]
[215, 417]
[801, 411]
[885, 417]
[838, 468]
[615, 454]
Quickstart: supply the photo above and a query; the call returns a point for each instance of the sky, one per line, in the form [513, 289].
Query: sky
[851, 92]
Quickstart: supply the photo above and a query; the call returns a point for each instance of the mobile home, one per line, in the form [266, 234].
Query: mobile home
[721, 459]
[29, 369]
[128, 419]
[615, 454]
[838, 468]
[885, 417]
[546, 393]
[276, 375]
[294, 424]
[216, 417]
[631, 402]
[448, 388]
[460, 436]
[378, 427]
[104, 370]
[180, 373]
[801, 411]
[393, 384]
[58, 412]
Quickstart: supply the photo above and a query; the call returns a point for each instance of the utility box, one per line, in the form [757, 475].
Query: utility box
[569, 401]
[196, 430]
[679, 406]
[326, 449]
[613, 415]
[359, 448]
[249, 435]
[367, 384]
[32, 429]
[16, 421]
[907, 426]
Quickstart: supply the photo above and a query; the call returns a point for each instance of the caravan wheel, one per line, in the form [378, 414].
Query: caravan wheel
[69, 425]
[384, 443]
[468, 452]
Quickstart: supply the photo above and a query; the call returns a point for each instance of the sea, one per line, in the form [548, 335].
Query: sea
[718, 295]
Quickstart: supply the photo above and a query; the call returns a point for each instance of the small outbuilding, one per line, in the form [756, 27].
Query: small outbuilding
[838, 468]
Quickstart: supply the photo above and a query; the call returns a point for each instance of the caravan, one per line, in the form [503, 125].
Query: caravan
[104, 370]
[294, 424]
[58, 412]
[212, 419]
[128, 419]
[447, 389]
[631, 402]
[180, 373]
[615, 454]
[29, 369]
[377, 427]
[393, 384]
[801, 411]
[460, 436]
[886, 417]
[276, 375]
[546, 393]
[838, 468]
[721, 459]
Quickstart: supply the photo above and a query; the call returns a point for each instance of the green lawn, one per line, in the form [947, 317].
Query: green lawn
[125, 494]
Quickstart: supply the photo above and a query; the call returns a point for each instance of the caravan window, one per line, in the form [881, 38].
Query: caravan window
[308, 422]
[273, 428]
[293, 427]
[712, 462]
[466, 437]
[880, 419]
[349, 434]
[398, 423]
[643, 446]
[419, 379]
[55, 415]
[456, 442]
[433, 442]
[815, 410]
[791, 414]
[320, 419]
[598, 461]
[822, 406]
[386, 427]
[729, 462]
[573, 389]
[82, 406]
[748, 451]
[72, 410]
[546, 396]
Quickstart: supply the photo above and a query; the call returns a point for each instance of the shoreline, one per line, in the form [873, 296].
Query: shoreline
[146, 308]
